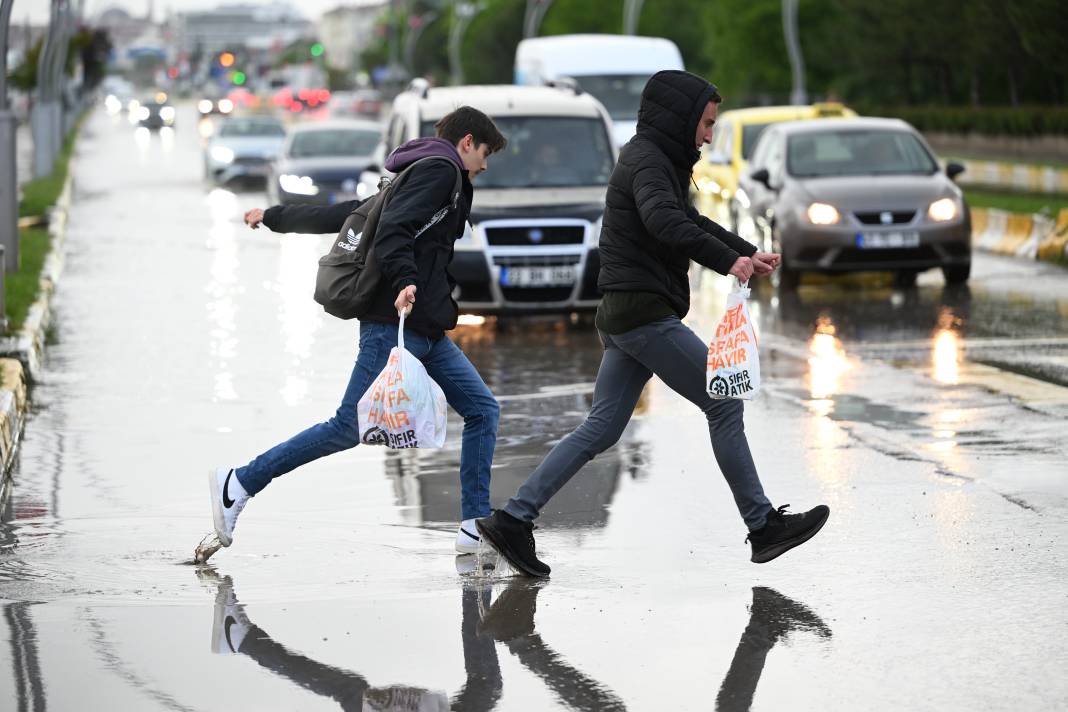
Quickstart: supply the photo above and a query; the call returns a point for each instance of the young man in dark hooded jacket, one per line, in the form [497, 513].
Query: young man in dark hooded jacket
[423, 206]
[650, 233]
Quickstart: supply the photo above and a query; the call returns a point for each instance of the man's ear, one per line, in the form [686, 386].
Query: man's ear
[467, 143]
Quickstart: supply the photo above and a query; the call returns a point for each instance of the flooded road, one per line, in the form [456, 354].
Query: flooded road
[931, 422]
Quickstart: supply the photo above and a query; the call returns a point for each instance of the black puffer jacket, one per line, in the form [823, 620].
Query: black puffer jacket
[651, 230]
[403, 259]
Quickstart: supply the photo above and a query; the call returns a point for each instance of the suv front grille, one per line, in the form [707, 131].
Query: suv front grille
[536, 235]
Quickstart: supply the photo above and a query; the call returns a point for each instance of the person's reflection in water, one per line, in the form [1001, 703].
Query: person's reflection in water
[482, 689]
[511, 620]
[233, 632]
[772, 617]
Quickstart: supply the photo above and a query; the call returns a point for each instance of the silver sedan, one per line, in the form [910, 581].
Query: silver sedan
[849, 195]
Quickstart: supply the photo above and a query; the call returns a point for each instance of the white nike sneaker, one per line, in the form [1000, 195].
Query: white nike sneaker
[467, 538]
[231, 624]
[404, 699]
[228, 498]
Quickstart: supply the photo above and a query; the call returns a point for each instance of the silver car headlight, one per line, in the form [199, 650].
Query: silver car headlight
[470, 240]
[222, 154]
[822, 214]
[298, 185]
[943, 210]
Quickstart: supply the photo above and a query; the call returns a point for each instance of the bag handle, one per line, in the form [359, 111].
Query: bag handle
[400, 328]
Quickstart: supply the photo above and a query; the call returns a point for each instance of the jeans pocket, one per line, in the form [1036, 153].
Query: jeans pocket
[631, 342]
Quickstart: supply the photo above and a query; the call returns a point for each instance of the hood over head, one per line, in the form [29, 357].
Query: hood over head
[671, 106]
[408, 153]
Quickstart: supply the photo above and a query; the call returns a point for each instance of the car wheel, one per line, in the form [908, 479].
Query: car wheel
[957, 274]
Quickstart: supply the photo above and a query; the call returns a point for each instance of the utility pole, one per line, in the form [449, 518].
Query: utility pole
[416, 25]
[798, 95]
[463, 14]
[536, 10]
[9, 187]
[632, 12]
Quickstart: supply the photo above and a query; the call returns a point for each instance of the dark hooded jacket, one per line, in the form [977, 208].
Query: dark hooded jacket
[403, 259]
[651, 230]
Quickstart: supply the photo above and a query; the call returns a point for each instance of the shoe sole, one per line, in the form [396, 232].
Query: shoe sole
[507, 553]
[216, 509]
[783, 547]
[465, 549]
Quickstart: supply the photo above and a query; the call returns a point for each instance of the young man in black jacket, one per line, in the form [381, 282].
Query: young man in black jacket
[650, 233]
[423, 206]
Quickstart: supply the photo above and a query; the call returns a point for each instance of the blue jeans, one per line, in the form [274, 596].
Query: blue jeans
[448, 366]
[669, 349]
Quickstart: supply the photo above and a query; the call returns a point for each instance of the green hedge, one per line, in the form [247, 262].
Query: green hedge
[990, 121]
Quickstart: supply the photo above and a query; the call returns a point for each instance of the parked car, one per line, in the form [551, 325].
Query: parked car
[324, 162]
[243, 147]
[155, 113]
[614, 68]
[848, 195]
[726, 158]
[365, 103]
[536, 219]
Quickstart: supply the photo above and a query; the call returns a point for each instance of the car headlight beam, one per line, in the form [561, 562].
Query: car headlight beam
[942, 210]
[822, 214]
[297, 185]
[222, 154]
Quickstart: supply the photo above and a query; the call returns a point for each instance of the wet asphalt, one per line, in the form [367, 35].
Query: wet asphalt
[932, 422]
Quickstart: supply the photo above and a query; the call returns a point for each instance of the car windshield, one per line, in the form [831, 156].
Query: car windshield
[252, 127]
[750, 134]
[621, 94]
[547, 152]
[334, 142]
[857, 152]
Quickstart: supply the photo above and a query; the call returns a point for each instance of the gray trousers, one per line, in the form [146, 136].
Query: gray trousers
[669, 349]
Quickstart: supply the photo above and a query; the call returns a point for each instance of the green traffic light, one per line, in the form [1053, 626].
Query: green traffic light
[239, 78]
[317, 50]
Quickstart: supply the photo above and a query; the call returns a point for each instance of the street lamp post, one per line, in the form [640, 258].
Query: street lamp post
[9, 209]
[44, 114]
[632, 12]
[463, 14]
[536, 10]
[798, 95]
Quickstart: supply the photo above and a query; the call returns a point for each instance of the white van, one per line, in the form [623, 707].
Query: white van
[614, 68]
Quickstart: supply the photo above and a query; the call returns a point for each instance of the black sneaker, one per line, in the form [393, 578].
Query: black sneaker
[514, 540]
[779, 616]
[783, 532]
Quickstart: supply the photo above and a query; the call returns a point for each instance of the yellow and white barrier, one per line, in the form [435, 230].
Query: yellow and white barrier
[1013, 176]
[1020, 235]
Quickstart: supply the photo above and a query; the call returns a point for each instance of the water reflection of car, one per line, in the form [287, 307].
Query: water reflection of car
[243, 147]
[849, 195]
[153, 114]
[324, 162]
[536, 219]
[726, 158]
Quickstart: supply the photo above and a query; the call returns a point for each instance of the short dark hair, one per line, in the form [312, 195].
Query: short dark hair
[715, 98]
[467, 120]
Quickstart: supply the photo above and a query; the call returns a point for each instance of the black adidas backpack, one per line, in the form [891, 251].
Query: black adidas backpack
[348, 274]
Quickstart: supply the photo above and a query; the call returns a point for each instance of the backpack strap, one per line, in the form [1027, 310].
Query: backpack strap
[457, 187]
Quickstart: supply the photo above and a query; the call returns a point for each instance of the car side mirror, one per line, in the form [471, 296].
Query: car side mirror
[953, 170]
[762, 176]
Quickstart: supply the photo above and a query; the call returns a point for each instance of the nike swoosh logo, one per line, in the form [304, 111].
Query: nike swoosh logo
[229, 624]
[227, 502]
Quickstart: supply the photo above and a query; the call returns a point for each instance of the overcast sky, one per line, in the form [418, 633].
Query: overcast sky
[37, 10]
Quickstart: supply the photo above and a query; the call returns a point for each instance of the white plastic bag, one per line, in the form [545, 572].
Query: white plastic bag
[404, 407]
[733, 362]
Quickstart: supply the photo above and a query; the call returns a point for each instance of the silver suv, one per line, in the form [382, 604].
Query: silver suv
[536, 219]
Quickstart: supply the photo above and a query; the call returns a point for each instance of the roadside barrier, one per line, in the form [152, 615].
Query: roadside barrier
[1012, 176]
[1021, 235]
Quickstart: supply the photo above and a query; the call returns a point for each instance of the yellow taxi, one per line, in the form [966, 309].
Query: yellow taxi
[723, 160]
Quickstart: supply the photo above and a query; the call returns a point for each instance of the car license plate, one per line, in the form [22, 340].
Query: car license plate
[560, 276]
[887, 240]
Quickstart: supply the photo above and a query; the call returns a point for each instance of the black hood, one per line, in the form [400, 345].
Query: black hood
[672, 104]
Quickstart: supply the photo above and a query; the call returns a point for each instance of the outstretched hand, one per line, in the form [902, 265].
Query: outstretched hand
[254, 217]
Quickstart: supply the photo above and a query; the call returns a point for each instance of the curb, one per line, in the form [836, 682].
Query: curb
[1012, 176]
[24, 352]
[1021, 235]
